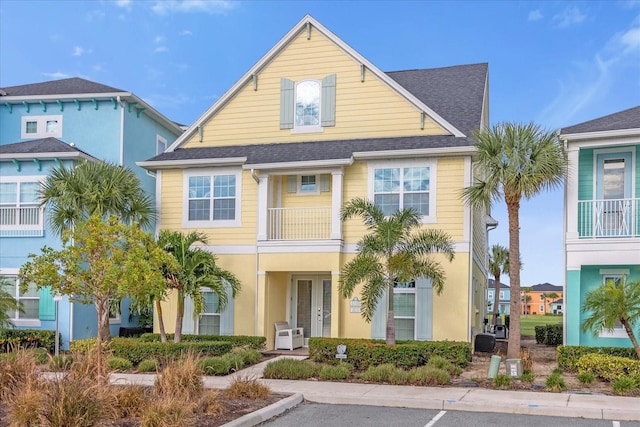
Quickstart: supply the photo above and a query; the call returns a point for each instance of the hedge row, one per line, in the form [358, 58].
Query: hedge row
[549, 334]
[568, 356]
[256, 343]
[362, 353]
[135, 350]
[27, 338]
[608, 367]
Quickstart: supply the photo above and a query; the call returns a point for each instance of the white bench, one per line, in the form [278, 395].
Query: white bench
[287, 337]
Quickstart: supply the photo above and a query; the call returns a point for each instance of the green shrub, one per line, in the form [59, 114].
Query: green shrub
[215, 365]
[541, 333]
[119, 364]
[41, 355]
[148, 365]
[362, 353]
[256, 343]
[291, 369]
[567, 356]
[26, 338]
[549, 334]
[336, 372]
[502, 381]
[235, 361]
[608, 367]
[84, 346]
[586, 377]
[386, 373]
[527, 377]
[136, 350]
[555, 382]
[61, 362]
[250, 356]
[440, 362]
[624, 385]
[429, 376]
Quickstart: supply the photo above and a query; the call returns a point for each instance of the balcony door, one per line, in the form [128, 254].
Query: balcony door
[311, 308]
[613, 207]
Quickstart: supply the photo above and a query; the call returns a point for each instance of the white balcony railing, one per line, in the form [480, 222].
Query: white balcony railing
[310, 223]
[609, 218]
[25, 221]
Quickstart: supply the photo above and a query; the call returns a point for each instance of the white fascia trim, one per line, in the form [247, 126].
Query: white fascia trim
[31, 156]
[445, 151]
[300, 165]
[601, 134]
[277, 48]
[171, 164]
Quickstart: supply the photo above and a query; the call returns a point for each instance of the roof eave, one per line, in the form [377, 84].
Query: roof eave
[47, 156]
[310, 164]
[618, 133]
[438, 152]
[187, 163]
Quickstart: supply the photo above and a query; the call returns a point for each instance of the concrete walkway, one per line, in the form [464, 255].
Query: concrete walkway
[577, 405]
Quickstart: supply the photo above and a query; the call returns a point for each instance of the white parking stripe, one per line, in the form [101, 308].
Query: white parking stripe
[616, 423]
[437, 417]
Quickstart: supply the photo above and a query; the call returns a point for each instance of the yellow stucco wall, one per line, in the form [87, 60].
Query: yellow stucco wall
[363, 109]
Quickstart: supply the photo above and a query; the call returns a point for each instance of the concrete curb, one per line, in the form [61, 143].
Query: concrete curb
[266, 413]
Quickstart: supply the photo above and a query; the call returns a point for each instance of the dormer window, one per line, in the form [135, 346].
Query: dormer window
[308, 105]
[307, 111]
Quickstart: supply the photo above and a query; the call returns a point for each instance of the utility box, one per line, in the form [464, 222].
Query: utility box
[514, 367]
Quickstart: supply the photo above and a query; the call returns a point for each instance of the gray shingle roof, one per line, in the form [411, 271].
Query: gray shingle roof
[39, 146]
[74, 85]
[492, 282]
[626, 119]
[546, 287]
[455, 93]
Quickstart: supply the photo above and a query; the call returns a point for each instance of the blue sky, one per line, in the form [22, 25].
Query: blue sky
[556, 63]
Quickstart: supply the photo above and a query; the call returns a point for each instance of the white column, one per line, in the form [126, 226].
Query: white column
[263, 205]
[571, 195]
[336, 204]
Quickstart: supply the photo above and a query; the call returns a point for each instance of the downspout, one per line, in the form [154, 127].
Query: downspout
[121, 160]
[255, 304]
[564, 282]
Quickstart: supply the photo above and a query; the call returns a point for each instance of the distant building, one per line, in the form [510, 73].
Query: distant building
[504, 298]
[539, 298]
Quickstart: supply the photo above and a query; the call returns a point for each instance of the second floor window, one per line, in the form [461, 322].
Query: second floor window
[20, 210]
[402, 188]
[212, 198]
[41, 127]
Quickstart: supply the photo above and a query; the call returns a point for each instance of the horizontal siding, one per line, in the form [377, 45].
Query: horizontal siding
[585, 174]
[363, 109]
[355, 185]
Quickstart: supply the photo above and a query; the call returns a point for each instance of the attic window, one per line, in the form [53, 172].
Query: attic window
[307, 109]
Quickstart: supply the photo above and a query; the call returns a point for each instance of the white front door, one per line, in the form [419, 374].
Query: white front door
[311, 308]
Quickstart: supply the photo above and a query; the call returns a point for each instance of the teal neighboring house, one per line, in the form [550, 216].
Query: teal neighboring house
[602, 216]
[504, 297]
[60, 122]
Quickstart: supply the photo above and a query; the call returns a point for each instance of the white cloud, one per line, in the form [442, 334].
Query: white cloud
[57, 75]
[123, 3]
[192, 6]
[631, 40]
[160, 49]
[79, 51]
[568, 17]
[185, 33]
[535, 15]
[158, 39]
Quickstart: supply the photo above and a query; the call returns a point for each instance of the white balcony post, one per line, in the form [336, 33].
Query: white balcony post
[336, 204]
[571, 202]
[263, 211]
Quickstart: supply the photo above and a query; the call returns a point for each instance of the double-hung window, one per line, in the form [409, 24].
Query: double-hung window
[212, 198]
[20, 211]
[403, 185]
[209, 322]
[28, 300]
[404, 309]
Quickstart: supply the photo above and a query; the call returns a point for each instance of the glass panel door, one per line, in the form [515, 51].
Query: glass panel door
[326, 308]
[613, 193]
[303, 306]
[313, 306]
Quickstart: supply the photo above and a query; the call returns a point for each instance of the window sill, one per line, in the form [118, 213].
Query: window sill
[616, 333]
[211, 224]
[307, 129]
[29, 323]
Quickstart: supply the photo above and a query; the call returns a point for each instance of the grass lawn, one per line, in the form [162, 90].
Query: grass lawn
[529, 322]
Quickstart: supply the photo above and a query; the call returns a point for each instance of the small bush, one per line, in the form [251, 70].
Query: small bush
[210, 404]
[586, 377]
[250, 356]
[119, 364]
[16, 369]
[386, 373]
[527, 361]
[136, 350]
[131, 400]
[61, 362]
[502, 381]
[23, 405]
[235, 361]
[527, 377]
[440, 362]
[256, 343]
[541, 333]
[624, 385]
[568, 356]
[244, 388]
[181, 379]
[608, 367]
[41, 355]
[215, 366]
[10, 339]
[173, 412]
[337, 372]
[429, 376]
[291, 369]
[555, 382]
[148, 365]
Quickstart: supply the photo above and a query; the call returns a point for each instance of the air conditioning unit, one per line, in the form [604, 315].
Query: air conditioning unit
[501, 332]
[485, 343]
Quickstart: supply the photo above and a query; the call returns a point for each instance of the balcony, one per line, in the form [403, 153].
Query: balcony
[613, 218]
[25, 221]
[308, 223]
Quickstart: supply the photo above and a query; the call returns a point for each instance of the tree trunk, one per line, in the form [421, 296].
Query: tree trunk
[179, 316]
[102, 310]
[391, 321]
[632, 336]
[163, 334]
[496, 299]
[513, 208]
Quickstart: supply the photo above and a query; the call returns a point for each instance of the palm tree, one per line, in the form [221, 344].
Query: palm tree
[395, 250]
[74, 193]
[526, 299]
[198, 269]
[552, 296]
[515, 161]
[498, 264]
[608, 304]
[8, 303]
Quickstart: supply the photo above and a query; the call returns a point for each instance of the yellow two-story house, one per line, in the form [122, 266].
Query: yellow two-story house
[266, 169]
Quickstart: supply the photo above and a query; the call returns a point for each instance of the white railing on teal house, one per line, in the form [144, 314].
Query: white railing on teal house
[21, 221]
[309, 223]
[609, 218]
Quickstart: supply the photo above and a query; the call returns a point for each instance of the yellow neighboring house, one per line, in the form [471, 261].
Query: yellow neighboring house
[265, 171]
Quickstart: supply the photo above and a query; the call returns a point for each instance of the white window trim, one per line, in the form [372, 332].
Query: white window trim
[501, 295]
[615, 332]
[490, 294]
[309, 128]
[433, 172]
[301, 192]
[160, 141]
[237, 222]
[21, 227]
[29, 323]
[415, 308]
[42, 127]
